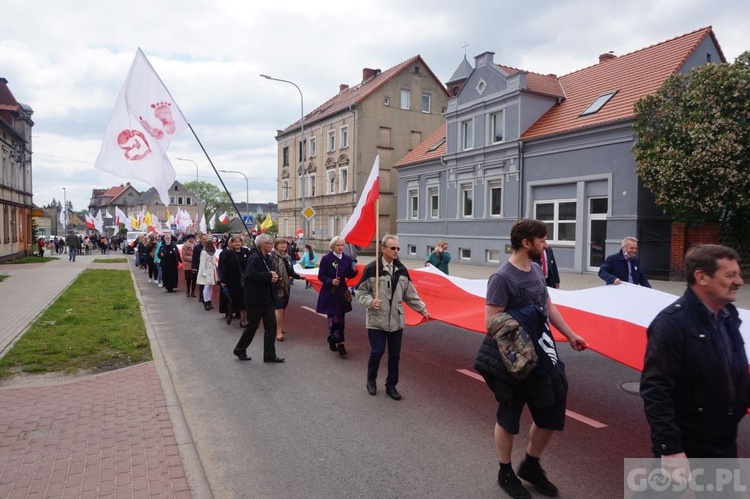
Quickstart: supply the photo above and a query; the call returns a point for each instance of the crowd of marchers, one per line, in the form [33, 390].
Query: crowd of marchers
[692, 412]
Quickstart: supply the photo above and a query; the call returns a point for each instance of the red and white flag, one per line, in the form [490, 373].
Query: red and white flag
[90, 221]
[224, 218]
[144, 120]
[360, 229]
[122, 218]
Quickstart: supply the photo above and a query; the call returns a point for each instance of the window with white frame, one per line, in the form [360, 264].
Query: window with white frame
[467, 134]
[405, 99]
[171, 199]
[344, 137]
[188, 201]
[426, 101]
[285, 189]
[560, 217]
[464, 253]
[467, 200]
[495, 197]
[413, 198]
[313, 148]
[179, 199]
[343, 179]
[331, 181]
[285, 156]
[433, 202]
[311, 182]
[492, 256]
[497, 126]
[331, 140]
[411, 249]
[332, 224]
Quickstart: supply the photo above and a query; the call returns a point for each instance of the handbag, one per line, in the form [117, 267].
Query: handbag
[347, 296]
[514, 344]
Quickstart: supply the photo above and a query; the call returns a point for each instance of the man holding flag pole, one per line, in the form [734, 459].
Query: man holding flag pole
[381, 296]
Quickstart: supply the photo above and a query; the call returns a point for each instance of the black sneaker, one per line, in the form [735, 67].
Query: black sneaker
[535, 475]
[512, 486]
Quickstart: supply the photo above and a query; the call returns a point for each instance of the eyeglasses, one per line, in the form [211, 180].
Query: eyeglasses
[394, 248]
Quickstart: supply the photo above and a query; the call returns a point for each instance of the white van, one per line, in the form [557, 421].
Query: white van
[132, 237]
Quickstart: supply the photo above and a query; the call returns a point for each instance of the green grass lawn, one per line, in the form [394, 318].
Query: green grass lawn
[32, 259]
[111, 260]
[96, 324]
[3, 277]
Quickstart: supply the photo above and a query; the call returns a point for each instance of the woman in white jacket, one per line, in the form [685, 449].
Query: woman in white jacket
[207, 273]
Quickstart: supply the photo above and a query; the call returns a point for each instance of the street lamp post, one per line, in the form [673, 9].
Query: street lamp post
[65, 210]
[196, 166]
[247, 189]
[302, 141]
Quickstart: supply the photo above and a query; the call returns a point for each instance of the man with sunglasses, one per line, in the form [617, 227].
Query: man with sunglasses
[385, 314]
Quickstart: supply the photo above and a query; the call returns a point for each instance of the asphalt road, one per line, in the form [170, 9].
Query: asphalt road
[309, 429]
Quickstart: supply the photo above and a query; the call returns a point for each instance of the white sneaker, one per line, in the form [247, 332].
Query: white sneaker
[149, 281]
[161, 285]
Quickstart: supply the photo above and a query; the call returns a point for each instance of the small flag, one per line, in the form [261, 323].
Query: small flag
[267, 222]
[224, 218]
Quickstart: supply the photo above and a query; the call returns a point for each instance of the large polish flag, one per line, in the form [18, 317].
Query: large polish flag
[144, 120]
[90, 221]
[98, 222]
[360, 229]
[612, 319]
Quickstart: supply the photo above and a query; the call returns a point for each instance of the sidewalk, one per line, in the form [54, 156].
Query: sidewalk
[116, 434]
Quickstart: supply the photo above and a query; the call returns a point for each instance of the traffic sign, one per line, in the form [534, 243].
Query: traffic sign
[248, 219]
[308, 212]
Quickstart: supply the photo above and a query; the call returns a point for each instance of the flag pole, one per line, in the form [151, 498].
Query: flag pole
[222, 183]
[377, 246]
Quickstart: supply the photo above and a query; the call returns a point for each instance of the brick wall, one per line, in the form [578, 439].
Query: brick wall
[683, 238]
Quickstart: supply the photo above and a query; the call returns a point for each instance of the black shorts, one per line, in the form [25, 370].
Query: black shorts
[549, 418]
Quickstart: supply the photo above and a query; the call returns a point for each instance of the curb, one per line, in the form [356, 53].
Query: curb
[191, 462]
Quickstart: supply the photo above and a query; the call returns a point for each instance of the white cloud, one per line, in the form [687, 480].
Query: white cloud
[69, 59]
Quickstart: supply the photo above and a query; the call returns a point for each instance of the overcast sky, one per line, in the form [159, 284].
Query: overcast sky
[67, 59]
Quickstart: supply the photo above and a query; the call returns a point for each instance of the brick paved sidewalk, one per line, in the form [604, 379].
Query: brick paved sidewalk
[107, 435]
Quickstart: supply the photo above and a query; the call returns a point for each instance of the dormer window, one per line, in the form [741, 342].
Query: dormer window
[599, 103]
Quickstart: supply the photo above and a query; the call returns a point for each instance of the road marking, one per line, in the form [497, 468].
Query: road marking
[313, 311]
[574, 415]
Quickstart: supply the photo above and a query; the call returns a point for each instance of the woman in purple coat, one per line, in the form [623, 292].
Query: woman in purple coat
[335, 268]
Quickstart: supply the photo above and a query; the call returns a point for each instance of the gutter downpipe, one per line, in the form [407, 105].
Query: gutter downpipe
[521, 186]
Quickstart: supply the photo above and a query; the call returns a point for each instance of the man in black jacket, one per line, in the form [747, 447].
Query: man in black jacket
[260, 280]
[624, 266]
[695, 382]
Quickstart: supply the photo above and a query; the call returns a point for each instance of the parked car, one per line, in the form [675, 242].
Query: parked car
[131, 240]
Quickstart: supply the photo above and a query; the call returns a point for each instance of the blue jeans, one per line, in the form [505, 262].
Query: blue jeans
[158, 272]
[378, 341]
[72, 254]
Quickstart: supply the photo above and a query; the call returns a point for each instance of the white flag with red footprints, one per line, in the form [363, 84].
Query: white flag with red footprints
[144, 120]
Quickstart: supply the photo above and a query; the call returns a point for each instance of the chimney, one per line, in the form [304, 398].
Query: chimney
[605, 57]
[343, 87]
[368, 73]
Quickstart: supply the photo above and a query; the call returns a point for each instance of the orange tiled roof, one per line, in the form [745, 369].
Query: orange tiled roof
[115, 191]
[356, 94]
[633, 75]
[537, 83]
[432, 147]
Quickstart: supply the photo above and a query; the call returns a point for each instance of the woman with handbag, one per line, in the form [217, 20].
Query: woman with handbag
[207, 273]
[285, 269]
[232, 263]
[335, 298]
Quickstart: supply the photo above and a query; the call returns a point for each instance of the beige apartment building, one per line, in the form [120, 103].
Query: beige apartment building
[388, 114]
